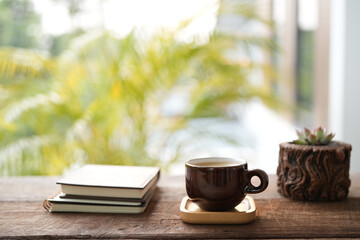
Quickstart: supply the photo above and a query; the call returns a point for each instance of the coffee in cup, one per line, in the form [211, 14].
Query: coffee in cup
[220, 184]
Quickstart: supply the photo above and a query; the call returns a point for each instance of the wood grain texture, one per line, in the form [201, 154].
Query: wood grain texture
[277, 217]
[312, 172]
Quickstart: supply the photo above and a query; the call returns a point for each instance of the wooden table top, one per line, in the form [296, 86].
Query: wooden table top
[23, 216]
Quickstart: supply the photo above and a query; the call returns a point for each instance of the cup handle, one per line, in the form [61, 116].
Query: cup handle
[264, 181]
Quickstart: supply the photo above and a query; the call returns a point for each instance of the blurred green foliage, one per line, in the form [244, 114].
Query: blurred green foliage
[102, 99]
[19, 24]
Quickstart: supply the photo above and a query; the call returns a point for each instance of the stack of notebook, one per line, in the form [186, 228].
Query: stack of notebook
[105, 189]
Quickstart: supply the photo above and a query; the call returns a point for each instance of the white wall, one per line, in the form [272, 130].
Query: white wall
[344, 97]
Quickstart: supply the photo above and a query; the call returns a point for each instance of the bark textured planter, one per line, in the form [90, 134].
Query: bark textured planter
[315, 173]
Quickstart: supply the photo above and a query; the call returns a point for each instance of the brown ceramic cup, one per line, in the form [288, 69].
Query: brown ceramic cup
[220, 184]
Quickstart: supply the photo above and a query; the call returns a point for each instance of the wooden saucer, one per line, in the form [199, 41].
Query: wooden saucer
[245, 212]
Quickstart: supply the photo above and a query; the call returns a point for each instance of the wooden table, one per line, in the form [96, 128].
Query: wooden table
[22, 215]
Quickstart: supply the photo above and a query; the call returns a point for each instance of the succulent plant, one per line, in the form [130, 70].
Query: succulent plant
[319, 136]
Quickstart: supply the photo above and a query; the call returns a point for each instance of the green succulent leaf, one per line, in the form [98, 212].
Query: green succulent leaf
[307, 132]
[300, 142]
[320, 134]
[299, 133]
[312, 139]
[329, 137]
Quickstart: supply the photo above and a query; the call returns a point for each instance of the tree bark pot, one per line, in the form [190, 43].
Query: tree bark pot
[314, 173]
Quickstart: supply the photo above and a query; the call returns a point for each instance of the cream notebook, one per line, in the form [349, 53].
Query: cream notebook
[110, 181]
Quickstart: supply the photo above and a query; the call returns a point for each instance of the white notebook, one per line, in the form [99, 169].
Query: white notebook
[110, 181]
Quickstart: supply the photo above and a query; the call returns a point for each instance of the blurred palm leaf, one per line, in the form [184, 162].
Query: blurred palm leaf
[103, 100]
